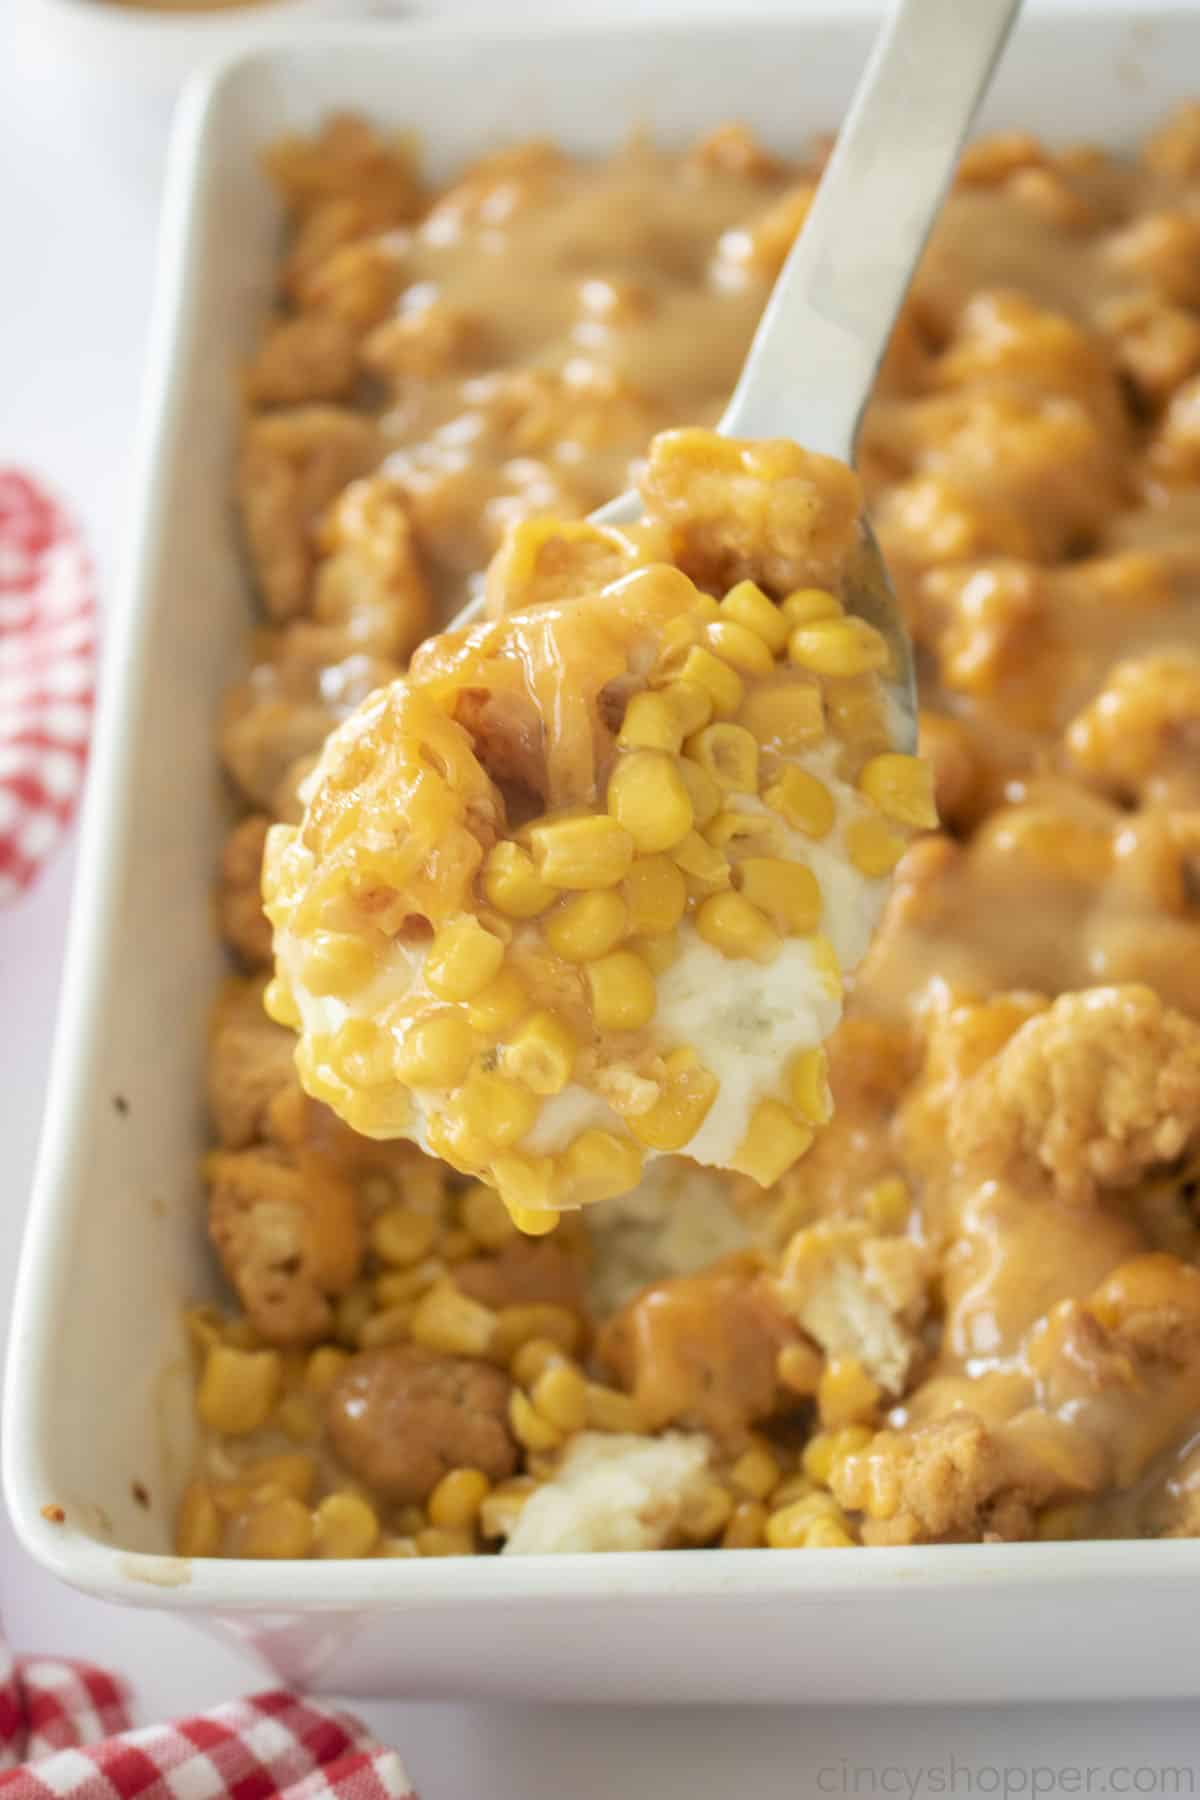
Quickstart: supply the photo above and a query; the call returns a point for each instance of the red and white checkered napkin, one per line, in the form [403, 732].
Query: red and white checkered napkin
[65, 1735]
[47, 675]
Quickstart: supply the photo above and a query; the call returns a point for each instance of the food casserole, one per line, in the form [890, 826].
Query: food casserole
[131, 1134]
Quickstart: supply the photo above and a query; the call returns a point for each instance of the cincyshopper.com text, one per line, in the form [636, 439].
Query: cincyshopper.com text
[914, 1781]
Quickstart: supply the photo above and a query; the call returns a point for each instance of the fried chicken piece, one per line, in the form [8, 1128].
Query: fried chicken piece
[286, 1228]
[244, 925]
[370, 583]
[250, 1061]
[303, 360]
[293, 463]
[528, 1272]
[1143, 727]
[1090, 1094]
[400, 1417]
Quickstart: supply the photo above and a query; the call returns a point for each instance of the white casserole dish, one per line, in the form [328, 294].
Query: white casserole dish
[98, 1396]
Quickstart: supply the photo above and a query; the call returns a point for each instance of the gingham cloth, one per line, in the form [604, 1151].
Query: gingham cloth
[47, 675]
[65, 1735]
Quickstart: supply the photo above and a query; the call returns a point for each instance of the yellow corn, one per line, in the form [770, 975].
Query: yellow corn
[351, 1314]
[729, 753]
[901, 787]
[608, 1409]
[502, 1508]
[299, 1419]
[197, 1523]
[394, 1547]
[787, 892]
[362, 1053]
[486, 1217]
[323, 1367]
[400, 1236]
[542, 1054]
[400, 1284]
[457, 1498]
[756, 1472]
[435, 1051]
[742, 827]
[798, 1367]
[789, 1525]
[280, 1528]
[598, 1165]
[345, 1525]
[656, 895]
[238, 1389]
[808, 1083]
[786, 716]
[739, 646]
[533, 1358]
[701, 862]
[723, 685]
[691, 705]
[748, 605]
[807, 605]
[528, 1425]
[537, 1320]
[846, 1394]
[526, 1185]
[1055, 1524]
[452, 1323]
[587, 925]
[582, 854]
[534, 1221]
[622, 992]
[560, 1395]
[463, 958]
[512, 884]
[873, 846]
[706, 797]
[496, 1109]
[658, 953]
[390, 1325]
[805, 803]
[436, 1540]
[888, 1204]
[647, 795]
[735, 927]
[336, 963]
[707, 1514]
[688, 1092]
[501, 1004]
[838, 647]
[772, 1143]
[747, 1527]
[650, 723]
[827, 1534]
[279, 1003]
[826, 964]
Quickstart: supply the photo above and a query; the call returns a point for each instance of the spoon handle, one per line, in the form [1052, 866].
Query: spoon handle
[827, 323]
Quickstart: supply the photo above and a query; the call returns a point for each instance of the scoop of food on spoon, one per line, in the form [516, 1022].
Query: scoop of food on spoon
[581, 888]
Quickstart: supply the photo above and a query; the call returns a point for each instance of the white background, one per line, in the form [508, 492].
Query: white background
[81, 150]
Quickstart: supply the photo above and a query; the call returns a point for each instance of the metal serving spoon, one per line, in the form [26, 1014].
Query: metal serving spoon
[827, 323]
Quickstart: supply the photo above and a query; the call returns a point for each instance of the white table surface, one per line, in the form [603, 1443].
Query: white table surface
[80, 161]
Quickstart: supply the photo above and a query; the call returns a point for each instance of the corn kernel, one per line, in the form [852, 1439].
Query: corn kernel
[400, 1284]
[740, 647]
[396, 1547]
[902, 788]
[499, 1007]
[756, 1472]
[656, 895]
[298, 1418]
[742, 827]
[408, 1519]
[280, 1528]
[873, 846]
[817, 1460]
[537, 1319]
[748, 605]
[729, 753]
[391, 1325]
[788, 1525]
[512, 884]
[772, 1143]
[486, 1217]
[238, 1389]
[608, 1409]
[723, 685]
[542, 1055]
[827, 1534]
[647, 795]
[804, 802]
[747, 1527]
[587, 925]
[452, 1323]
[838, 647]
[581, 854]
[457, 1498]
[706, 797]
[1058, 1524]
[534, 1221]
[291, 1472]
[497, 1110]
[436, 1540]
[435, 1051]
[345, 1525]
[526, 1185]
[798, 1367]
[351, 1314]
[463, 958]
[598, 1165]
[197, 1523]
[401, 1236]
[677, 1115]
[279, 1003]
[826, 964]
[533, 1358]
[787, 892]
[502, 1508]
[560, 1395]
[323, 1367]
[846, 1394]
[807, 605]
[336, 963]
[701, 862]
[362, 1053]
[786, 716]
[528, 1425]
[622, 992]
[691, 705]
[650, 723]
[808, 1083]
[705, 1514]
[888, 1204]
[732, 925]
